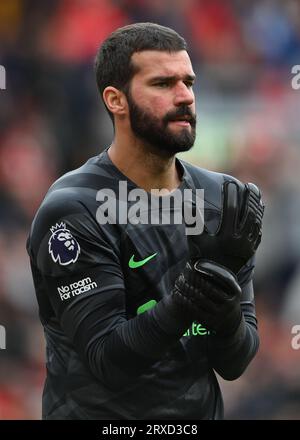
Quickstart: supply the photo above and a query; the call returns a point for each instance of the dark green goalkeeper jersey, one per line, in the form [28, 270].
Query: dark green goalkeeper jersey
[109, 352]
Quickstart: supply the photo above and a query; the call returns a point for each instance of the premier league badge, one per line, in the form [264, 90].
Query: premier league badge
[63, 247]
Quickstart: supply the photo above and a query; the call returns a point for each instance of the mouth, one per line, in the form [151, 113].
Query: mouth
[182, 121]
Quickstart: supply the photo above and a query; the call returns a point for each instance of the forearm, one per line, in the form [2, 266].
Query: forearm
[135, 344]
[230, 356]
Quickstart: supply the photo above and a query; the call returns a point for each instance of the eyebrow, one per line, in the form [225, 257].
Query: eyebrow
[172, 78]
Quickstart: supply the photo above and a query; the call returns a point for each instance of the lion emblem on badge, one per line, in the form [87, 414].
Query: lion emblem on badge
[63, 247]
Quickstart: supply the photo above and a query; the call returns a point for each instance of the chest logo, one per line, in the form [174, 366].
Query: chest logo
[135, 264]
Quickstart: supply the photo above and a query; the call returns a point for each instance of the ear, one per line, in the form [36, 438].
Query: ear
[115, 100]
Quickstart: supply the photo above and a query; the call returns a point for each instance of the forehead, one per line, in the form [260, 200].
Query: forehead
[156, 63]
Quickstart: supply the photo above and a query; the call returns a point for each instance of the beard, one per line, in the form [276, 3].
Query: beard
[156, 133]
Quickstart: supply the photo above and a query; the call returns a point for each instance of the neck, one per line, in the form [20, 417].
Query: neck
[146, 167]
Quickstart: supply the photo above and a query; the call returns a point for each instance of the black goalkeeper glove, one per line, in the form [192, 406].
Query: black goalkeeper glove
[218, 298]
[208, 293]
[239, 231]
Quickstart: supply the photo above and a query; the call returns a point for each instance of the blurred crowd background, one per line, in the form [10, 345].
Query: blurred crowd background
[52, 120]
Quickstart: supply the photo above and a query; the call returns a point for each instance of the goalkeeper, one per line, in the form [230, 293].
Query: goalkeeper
[119, 302]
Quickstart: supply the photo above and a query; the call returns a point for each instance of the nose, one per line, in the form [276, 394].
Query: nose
[183, 94]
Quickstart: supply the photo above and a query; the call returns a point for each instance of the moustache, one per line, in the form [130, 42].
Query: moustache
[181, 112]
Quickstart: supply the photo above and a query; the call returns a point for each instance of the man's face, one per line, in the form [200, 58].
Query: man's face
[161, 101]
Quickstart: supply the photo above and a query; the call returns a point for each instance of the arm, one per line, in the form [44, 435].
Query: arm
[229, 308]
[114, 349]
[230, 355]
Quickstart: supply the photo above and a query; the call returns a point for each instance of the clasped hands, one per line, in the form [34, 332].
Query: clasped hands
[208, 288]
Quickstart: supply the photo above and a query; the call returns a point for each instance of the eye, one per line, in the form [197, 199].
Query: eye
[189, 84]
[162, 85]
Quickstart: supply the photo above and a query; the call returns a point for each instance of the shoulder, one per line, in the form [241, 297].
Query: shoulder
[206, 178]
[95, 174]
[69, 205]
[59, 214]
[210, 181]
[65, 230]
[73, 195]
